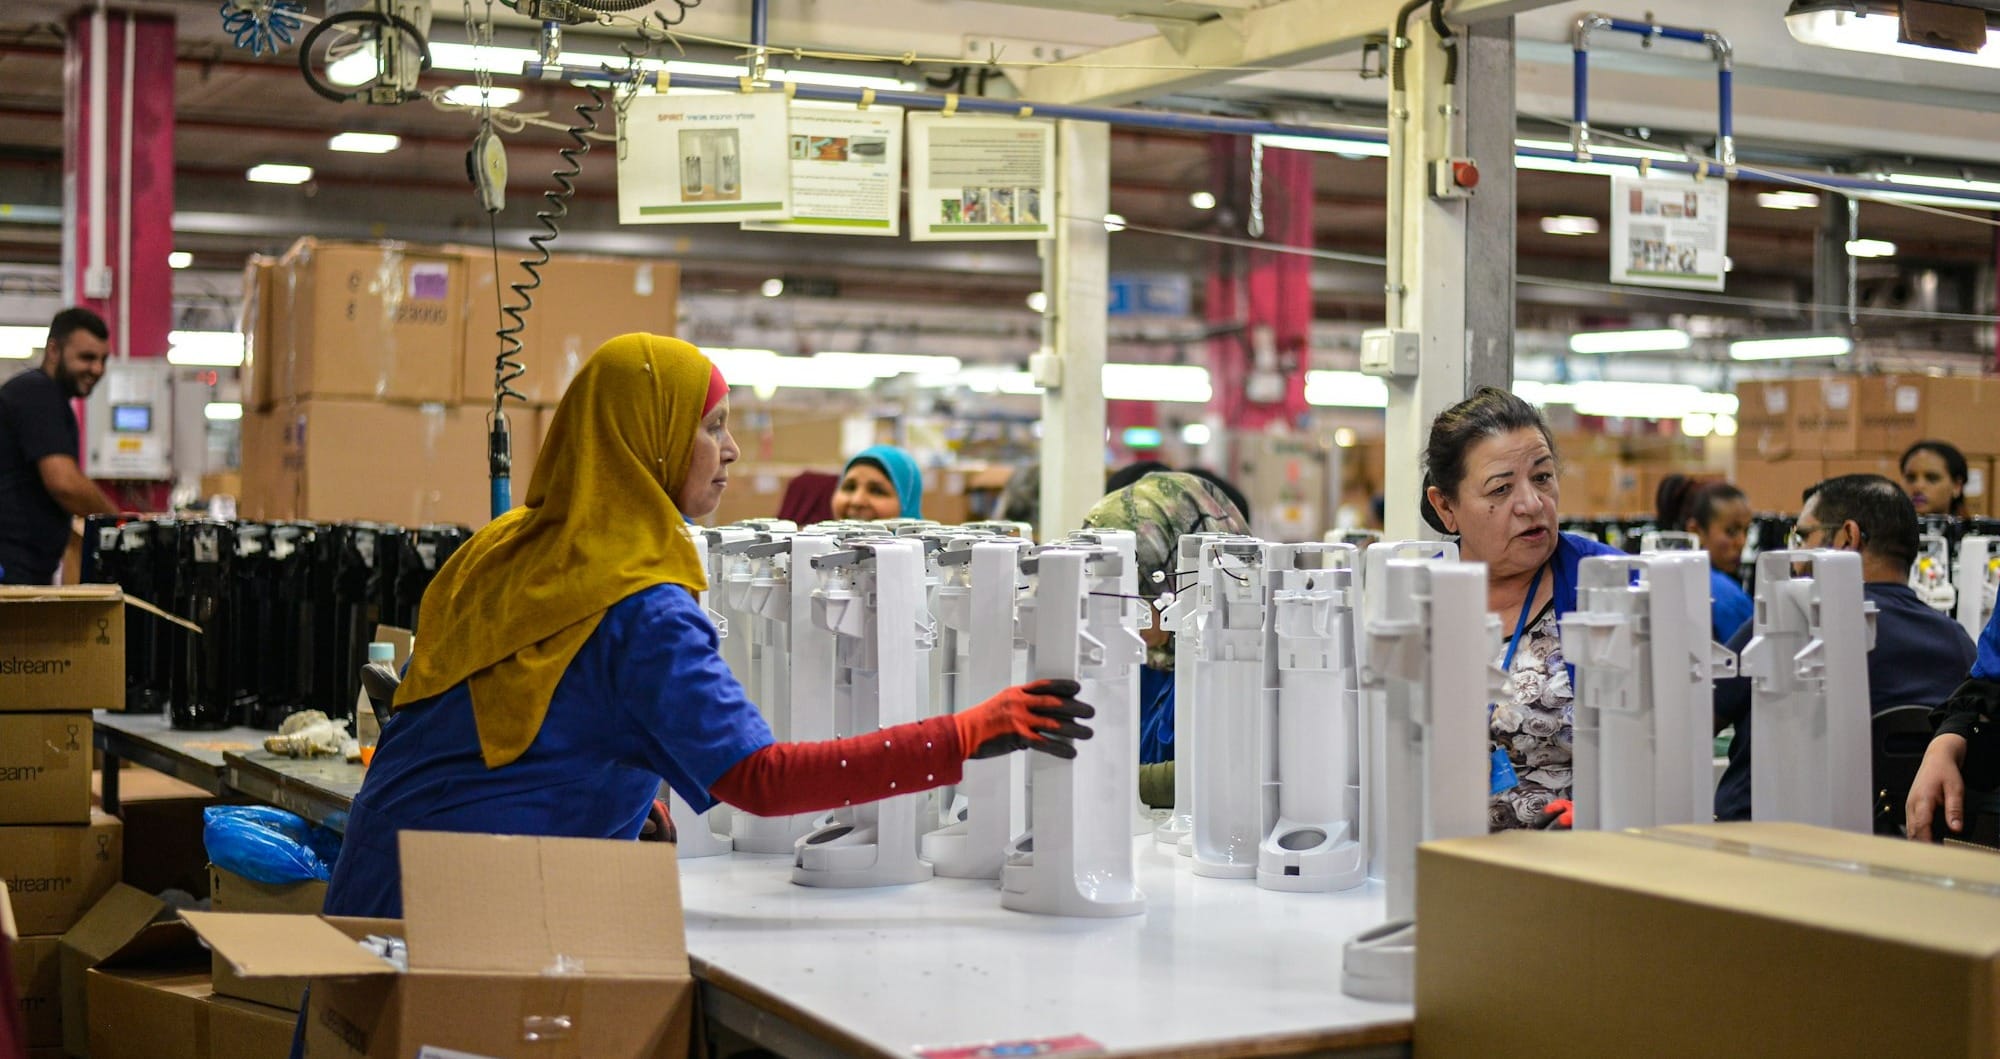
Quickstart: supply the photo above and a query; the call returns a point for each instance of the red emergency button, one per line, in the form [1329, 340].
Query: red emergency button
[1465, 174]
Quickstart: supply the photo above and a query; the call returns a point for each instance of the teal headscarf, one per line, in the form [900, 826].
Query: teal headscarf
[902, 472]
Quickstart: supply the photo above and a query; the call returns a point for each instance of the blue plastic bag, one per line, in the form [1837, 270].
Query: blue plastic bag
[268, 845]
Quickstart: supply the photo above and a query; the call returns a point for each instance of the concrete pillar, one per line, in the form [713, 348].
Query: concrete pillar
[1076, 278]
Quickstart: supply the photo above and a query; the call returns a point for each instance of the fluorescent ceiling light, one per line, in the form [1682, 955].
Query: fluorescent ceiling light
[1196, 434]
[449, 56]
[470, 96]
[1627, 400]
[205, 349]
[1157, 382]
[1787, 200]
[1870, 248]
[1698, 424]
[273, 173]
[357, 67]
[890, 365]
[1350, 148]
[1605, 150]
[365, 142]
[179, 259]
[1629, 341]
[222, 411]
[772, 287]
[1346, 389]
[1570, 224]
[1038, 301]
[1114, 222]
[1947, 183]
[21, 342]
[1725, 426]
[1790, 348]
[1202, 200]
[1345, 437]
[1873, 28]
[1940, 199]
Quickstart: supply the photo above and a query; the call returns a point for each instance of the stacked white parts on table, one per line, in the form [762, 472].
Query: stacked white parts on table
[1228, 798]
[1653, 541]
[698, 837]
[1977, 577]
[975, 612]
[791, 664]
[1138, 616]
[1309, 734]
[1431, 649]
[1931, 575]
[1809, 700]
[870, 594]
[1645, 690]
[1076, 859]
[1182, 614]
[1375, 695]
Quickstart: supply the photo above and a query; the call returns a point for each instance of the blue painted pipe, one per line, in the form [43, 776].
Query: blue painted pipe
[1580, 100]
[1625, 25]
[1725, 90]
[502, 499]
[760, 22]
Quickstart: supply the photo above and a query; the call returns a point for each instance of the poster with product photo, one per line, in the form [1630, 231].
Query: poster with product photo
[688, 159]
[1669, 233]
[847, 170]
[980, 178]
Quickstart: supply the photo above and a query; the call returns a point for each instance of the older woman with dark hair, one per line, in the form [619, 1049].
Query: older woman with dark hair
[1490, 481]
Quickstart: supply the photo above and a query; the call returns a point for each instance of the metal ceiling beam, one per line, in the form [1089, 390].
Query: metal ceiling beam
[1283, 34]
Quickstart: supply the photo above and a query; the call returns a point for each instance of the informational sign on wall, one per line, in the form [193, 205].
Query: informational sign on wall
[1669, 233]
[981, 178]
[847, 170]
[703, 159]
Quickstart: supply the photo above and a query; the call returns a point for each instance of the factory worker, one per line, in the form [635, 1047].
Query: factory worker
[1918, 654]
[1490, 481]
[881, 481]
[565, 667]
[1159, 508]
[1965, 750]
[1718, 514]
[1934, 474]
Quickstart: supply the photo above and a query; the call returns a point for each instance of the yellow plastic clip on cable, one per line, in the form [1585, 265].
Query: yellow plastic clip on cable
[746, 83]
[1701, 171]
[662, 80]
[867, 99]
[1645, 167]
[950, 104]
[791, 89]
[1025, 112]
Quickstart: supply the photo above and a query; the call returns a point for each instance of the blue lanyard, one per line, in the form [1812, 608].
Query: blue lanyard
[1500, 775]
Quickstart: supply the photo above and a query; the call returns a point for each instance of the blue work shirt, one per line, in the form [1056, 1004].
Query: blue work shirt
[647, 698]
[1156, 716]
[1729, 606]
[1920, 656]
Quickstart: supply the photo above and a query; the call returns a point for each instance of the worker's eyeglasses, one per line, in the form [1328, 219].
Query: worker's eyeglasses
[1801, 534]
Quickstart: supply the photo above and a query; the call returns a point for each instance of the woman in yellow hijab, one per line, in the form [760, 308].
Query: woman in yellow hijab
[566, 669]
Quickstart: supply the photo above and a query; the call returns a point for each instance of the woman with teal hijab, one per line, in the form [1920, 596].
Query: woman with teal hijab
[881, 481]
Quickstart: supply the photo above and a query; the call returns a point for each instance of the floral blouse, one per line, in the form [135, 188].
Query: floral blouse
[1532, 723]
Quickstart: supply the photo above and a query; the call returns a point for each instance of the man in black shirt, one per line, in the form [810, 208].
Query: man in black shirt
[41, 485]
[1920, 654]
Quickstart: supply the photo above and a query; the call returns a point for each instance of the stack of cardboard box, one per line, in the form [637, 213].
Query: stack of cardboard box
[369, 368]
[64, 656]
[1795, 432]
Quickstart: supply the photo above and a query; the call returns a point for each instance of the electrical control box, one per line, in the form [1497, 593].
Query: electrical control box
[1389, 352]
[128, 422]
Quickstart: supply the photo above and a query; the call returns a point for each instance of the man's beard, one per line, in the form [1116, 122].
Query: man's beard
[71, 385]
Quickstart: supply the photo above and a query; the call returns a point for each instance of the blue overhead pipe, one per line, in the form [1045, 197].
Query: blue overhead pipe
[1718, 45]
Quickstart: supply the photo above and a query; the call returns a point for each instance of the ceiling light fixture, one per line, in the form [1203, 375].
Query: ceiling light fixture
[1345, 437]
[470, 96]
[275, 173]
[890, 365]
[1875, 27]
[1039, 302]
[1660, 341]
[21, 342]
[1196, 434]
[179, 259]
[772, 287]
[365, 142]
[1186, 383]
[1202, 200]
[1787, 200]
[205, 349]
[222, 411]
[1369, 148]
[1114, 222]
[1870, 248]
[1346, 389]
[1570, 224]
[1791, 348]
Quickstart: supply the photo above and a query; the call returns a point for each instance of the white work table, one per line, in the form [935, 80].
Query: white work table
[1214, 966]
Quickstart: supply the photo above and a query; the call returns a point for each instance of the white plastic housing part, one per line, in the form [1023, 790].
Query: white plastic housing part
[1645, 686]
[1310, 730]
[1229, 813]
[976, 617]
[1931, 575]
[872, 600]
[1432, 650]
[1809, 693]
[1182, 616]
[771, 599]
[1077, 857]
[1668, 541]
[696, 834]
[1126, 544]
[731, 625]
[1977, 575]
[1374, 697]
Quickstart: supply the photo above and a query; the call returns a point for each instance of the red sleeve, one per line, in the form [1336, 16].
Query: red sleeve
[786, 778]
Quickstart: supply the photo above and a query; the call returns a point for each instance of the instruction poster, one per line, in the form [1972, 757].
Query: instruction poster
[703, 159]
[981, 178]
[1669, 233]
[847, 170]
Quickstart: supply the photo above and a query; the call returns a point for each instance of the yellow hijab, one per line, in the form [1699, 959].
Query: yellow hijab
[514, 605]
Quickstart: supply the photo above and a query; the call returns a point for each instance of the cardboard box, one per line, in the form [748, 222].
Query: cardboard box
[608, 911]
[1898, 411]
[1826, 414]
[56, 873]
[163, 828]
[45, 768]
[230, 892]
[257, 322]
[62, 648]
[148, 1013]
[1710, 940]
[1764, 418]
[38, 988]
[238, 1030]
[409, 465]
[125, 920]
[1775, 486]
[582, 303]
[382, 321]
